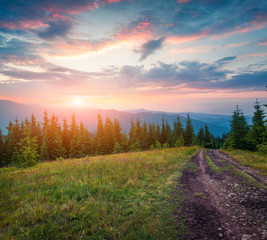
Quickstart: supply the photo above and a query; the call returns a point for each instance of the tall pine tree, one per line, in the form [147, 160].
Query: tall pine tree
[189, 132]
[258, 129]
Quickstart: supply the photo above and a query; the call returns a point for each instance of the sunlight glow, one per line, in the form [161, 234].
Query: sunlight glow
[78, 102]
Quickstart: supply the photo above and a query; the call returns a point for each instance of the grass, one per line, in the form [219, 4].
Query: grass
[244, 177]
[200, 195]
[212, 165]
[123, 196]
[250, 159]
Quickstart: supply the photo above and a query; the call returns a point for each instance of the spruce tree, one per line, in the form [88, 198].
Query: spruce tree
[189, 132]
[200, 136]
[208, 143]
[258, 128]
[2, 149]
[55, 139]
[168, 134]
[98, 139]
[74, 139]
[163, 136]
[144, 137]
[26, 153]
[239, 131]
[177, 130]
[84, 139]
[44, 150]
[152, 138]
[108, 137]
[158, 134]
[66, 138]
[36, 131]
[132, 133]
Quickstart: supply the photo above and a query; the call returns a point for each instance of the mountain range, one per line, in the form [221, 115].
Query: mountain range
[9, 111]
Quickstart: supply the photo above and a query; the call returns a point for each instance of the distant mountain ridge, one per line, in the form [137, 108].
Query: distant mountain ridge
[9, 111]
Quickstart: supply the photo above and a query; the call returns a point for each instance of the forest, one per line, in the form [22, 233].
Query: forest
[29, 141]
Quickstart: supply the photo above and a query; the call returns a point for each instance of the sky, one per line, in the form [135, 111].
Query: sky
[169, 55]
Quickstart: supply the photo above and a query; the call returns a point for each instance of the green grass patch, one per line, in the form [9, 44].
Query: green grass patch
[191, 166]
[212, 165]
[123, 196]
[251, 159]
[245, 178]
[200, 195]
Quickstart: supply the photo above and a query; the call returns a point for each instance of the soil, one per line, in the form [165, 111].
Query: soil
[225, 204]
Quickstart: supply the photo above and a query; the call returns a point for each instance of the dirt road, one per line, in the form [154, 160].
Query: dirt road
[224, 200]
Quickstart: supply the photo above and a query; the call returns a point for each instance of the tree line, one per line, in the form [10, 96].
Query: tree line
[243, 136]
[30, 141]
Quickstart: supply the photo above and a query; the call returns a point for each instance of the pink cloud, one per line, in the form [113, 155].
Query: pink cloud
[183, 1]
[236, 44]
[263, 42]
[29, 24]
[253, 55]
[201, 49]
[106, 2]
[179, 39]
[141, 31]
[57, 11]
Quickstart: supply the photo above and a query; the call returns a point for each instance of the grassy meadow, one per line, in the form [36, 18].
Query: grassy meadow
[251, 159]
[123, 196]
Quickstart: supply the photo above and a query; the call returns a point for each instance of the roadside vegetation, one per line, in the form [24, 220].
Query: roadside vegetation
[212, 165]
[120, 196]
[255, 160]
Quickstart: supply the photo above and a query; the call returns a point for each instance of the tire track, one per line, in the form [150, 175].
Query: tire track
[221, 209]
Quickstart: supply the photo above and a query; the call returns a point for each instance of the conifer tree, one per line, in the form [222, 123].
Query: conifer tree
[158, 133]
[98, 139]
[152, 138]
[258, 129]
[132, 133]
[179, 141]
[163, 136]
[15, 134]
[177, 130]
[209, 141]
[168, 134]
[2, 151]
[200, 136]
[26, 153]
[108, 137]
[239, 131]
[74, 138]
[35, 131]
[44, 150]
[138, 131]
[144, 137]
[54, 139]
[66, 138]
[117, 132]
[189, 132]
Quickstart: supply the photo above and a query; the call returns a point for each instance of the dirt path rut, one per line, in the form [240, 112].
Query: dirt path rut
[224, 200]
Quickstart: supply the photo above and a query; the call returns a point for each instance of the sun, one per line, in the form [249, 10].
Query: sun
[77, 102]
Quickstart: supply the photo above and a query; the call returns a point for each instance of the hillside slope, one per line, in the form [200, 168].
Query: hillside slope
[123, 196]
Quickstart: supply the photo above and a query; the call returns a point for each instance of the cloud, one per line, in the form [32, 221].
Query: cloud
[226, 60]
[263, 42]
[255, 81]
[193, 74]
[33, 14]
[150, 47]
[15, 46]
[55, 29]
